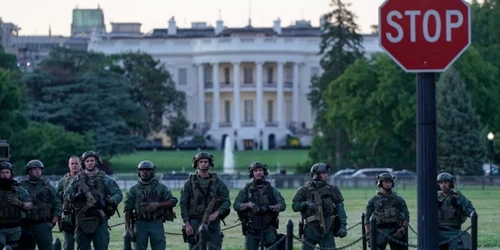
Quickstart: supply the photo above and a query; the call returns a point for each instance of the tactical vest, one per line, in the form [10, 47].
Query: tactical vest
[10, 215]
[329, 197]
[41, 196]
[96, 185]
[448, 215]
[201, 198]
[386, 209]
[261, 196]
[148, 193]
[67, 182]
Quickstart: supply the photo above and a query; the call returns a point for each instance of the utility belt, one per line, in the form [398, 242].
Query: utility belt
[388, 225]
[151, 219]
[10, 225]
[36, 222]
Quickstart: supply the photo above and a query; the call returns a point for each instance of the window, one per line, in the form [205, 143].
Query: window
[182, 76]
[270, 75]
[207, 74]
[227, 77]
[208, 111]
[227, 111]
[288, 74]
[270, 111]
[248, 111]
[314, 71]
[248, 75]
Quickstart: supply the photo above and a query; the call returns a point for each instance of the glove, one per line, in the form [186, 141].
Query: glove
[255, 208]
[110, 201]
[151, 207]
[312, 207]
[99, 204]
[14, 201]
[399, 233]
[342, 231]
[454, 201]
[264, 209]
[275, 208]
[80, 196]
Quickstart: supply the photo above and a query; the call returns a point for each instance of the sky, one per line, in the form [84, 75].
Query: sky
[35, 16]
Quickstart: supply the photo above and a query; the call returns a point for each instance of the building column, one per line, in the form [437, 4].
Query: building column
[216, 95]
[260, 93]
[295, 93]
[280, 98]
[236, 96]
[201, 93]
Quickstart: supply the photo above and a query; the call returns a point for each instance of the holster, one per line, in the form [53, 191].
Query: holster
[244, 227]
[301, 228]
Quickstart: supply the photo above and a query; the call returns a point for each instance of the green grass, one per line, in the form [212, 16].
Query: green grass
[486, 203]
[179, 160]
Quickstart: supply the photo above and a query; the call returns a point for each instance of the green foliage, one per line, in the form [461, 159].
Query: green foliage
[153, 89]
[340, 46]
[11, 118]
[460, 148]
[49, 143]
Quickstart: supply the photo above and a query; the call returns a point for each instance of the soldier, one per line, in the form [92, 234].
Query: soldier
[94, 196]
[391, 213]
[47, 208]
[453, 210]
[15, 201]
[151, 202]
[258, 206]
[204, 200]
[321, 206]
[67, 222]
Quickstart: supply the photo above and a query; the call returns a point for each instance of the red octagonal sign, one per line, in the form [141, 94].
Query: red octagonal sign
[424, 35]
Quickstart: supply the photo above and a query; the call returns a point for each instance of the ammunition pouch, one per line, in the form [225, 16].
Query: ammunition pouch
[88, 224]
[169, 215]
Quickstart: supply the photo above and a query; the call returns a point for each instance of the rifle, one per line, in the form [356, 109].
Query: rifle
[210, 208]
[319, 213]
[90, 199]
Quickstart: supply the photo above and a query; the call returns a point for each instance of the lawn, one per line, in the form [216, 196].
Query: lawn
[355, 202]
[167, 161]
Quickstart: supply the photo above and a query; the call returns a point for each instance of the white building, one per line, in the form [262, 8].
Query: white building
[272, 67]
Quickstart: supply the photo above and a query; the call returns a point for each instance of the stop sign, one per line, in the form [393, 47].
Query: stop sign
[424, 35]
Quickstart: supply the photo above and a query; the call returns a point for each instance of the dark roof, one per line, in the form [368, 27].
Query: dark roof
[210, 32]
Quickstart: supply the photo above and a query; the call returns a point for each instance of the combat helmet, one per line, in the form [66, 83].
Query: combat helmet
[146, 165]
[385, 177]
[446, 177]
[203, 155]
[33, 164]
[90, 154]
[319, 168]
[256, 165]
[7, 165]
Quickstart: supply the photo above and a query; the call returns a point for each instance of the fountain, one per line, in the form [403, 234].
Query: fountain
[228, 164]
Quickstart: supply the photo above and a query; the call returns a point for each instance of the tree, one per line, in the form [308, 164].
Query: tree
[11, 117]
[460, 148]
[154, 89]
[340, 46]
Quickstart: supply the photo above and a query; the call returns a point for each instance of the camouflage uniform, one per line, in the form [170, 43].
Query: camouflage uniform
[67, 223]
[258, 206]
[152, 203]
[453, 210]
[46, 206]
[94, 207]
[391, 213]
[11, 214]
[332, 204]
[197, 194]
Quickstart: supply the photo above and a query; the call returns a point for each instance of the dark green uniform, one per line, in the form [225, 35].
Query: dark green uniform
[149, 224]
[196, 194]
[262, 222]
[453, 210]
[91, 221]
[391, 212]
[68, 220]
[332, 204]
[10, 215]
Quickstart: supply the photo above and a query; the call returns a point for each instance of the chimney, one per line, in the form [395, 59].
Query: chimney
[172, 29]
[277, 26]
[219, 27]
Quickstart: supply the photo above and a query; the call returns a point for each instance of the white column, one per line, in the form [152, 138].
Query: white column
[201, 93]
[216, 96]
[260, 93]
[280, 99]
[236, 95]
[295, 93]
